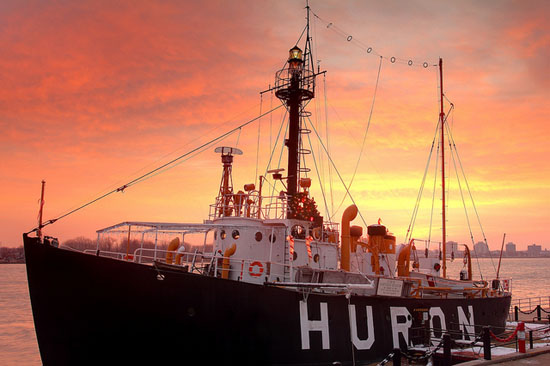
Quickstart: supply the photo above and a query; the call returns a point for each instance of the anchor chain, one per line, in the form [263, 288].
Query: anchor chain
[386, 360]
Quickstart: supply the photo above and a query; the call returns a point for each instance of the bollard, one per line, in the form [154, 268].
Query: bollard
[516, 313]
[539, 315]
[486, 343]
[521, 337]
[447, 357]
[530, 339]
[396, 357]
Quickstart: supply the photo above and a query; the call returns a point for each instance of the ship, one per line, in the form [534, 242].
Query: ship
[279, 284]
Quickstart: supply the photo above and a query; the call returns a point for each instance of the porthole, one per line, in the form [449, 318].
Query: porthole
[272, 238]
[294, 256]
[258, 236]
[222, 234]
[316, 258]
[235, 234]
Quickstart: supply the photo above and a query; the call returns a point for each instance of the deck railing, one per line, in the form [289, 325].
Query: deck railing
[248, 205]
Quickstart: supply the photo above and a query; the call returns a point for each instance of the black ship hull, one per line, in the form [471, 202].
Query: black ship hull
[94, 310]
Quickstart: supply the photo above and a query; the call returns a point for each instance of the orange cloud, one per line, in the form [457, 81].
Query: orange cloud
[96, 93]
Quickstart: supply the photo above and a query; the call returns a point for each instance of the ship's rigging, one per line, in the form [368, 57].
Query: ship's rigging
[300, 70]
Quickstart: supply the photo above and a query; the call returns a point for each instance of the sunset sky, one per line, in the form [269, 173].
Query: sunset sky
[95, 93]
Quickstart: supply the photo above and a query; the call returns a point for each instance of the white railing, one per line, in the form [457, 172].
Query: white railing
[245, 205]
[108, 254]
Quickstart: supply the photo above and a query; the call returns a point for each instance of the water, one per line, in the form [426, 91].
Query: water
[530, 276]
[18, 344]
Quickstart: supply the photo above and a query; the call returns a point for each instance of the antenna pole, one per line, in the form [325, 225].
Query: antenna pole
[40, 226]
[443, 218]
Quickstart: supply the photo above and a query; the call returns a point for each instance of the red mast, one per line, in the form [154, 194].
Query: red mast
[442, 124]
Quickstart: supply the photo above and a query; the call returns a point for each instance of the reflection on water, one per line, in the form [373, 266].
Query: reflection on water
[17, 338]
[18, 341]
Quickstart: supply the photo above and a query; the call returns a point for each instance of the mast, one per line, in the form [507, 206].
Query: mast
[443, 218]
[40, 226]
[295, 86]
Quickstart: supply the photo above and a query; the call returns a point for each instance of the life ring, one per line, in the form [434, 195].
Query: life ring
[317, 233]
[254, 273]
[480, 284]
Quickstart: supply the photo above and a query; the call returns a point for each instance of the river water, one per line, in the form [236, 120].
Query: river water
[18, 346]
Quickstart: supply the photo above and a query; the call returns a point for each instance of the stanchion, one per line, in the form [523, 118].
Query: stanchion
[539, 315]
[530, 339]
[516, 313]
[486, 343]
[521, 337]
[396, 357]
[447, 358]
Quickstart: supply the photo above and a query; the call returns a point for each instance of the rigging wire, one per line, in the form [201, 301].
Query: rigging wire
[453, 153]
[238, 138]
[471, 196]
[318, 176]
[366, 132]
[433, 190]
[370, 50]
[410, 229]
[332, 212]
[155, 171]
[258, 142]
[336, 170]
[157, 161]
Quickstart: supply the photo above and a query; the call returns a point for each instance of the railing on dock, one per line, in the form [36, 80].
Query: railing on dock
[448, 347]
[528, 313]
[530, 303]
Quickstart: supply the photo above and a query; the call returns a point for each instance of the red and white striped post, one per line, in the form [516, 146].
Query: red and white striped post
[521, 337]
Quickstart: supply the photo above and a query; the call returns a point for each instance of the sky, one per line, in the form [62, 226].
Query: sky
[97, 93]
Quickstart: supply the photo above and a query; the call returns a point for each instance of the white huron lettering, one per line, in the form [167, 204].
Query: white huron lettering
[402, 328]
[439, 313]
[467, 325]
[358, 343]
[307, 325]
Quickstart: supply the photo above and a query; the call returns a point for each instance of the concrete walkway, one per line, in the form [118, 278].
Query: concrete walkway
[537, 356]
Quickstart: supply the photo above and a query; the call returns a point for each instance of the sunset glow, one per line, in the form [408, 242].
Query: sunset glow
[95, 94]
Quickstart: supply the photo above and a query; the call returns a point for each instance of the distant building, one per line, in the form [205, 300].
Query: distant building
[534, 250]
[511, 248]
[452, 247]
[481, 248]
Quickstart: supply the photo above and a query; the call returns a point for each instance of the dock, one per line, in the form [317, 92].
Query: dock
[536, 356]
